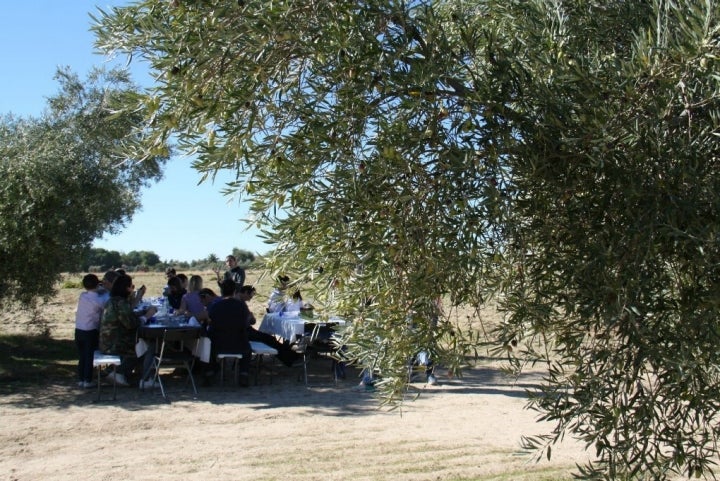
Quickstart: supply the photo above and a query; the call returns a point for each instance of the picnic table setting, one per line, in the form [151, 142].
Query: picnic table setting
[175, 338]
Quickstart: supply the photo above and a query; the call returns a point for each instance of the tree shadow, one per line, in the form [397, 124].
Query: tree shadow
[33, 359]
[38, 372]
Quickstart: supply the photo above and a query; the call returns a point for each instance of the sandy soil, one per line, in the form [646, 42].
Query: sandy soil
[469, 428]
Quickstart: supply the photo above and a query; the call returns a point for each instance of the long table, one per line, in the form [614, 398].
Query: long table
[290, 326]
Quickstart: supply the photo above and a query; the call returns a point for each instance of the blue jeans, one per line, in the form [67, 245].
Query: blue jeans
[87, 344]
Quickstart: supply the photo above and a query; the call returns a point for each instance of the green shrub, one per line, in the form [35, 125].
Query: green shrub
[72, 284]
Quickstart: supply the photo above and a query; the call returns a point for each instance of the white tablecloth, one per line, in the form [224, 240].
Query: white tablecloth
[288, 326]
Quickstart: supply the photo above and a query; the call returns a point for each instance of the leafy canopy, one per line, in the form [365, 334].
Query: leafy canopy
[65, 181]
[561, 156]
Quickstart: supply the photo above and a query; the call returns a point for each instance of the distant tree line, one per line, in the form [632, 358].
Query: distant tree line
[98, 259]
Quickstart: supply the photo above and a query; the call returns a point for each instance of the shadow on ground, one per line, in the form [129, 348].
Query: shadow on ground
[38, 372]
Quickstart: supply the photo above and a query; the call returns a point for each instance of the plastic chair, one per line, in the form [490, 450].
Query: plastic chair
[259, 350]
[168, 357]
[221, 358]
[100, 361]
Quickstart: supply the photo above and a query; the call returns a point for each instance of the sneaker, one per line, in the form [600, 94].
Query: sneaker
[362, 387]
[431, 380]
[118, 378]
[359, 388]
[148, 384]
[89, 384]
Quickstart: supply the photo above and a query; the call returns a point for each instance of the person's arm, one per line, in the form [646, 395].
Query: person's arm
[183, 306]
[246, 314]
[137, 296]
[217, 274]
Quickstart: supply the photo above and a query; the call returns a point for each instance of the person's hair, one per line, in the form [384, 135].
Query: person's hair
[195, 283]
[227, 288]
[110, 276]
[231, 257]
[90, 281]
[182, 277]
[120, 287]
[247, 289]
[207, 292]
[170, 270]
[283, 278]
[120, 271]
[296, 295]
[175, 282]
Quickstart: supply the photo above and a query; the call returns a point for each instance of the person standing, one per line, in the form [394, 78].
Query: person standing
[234, 272]
[87, 328]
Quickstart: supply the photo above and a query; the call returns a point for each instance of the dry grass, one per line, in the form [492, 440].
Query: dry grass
[462, 429]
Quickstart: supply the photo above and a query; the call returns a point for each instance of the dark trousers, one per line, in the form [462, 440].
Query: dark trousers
[265, 338]
[285, 353]
[86, 343]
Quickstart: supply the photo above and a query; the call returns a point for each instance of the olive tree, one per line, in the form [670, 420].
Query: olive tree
[66, 182]
[559, 157]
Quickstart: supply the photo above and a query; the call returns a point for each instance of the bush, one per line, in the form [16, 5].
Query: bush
[72, 284]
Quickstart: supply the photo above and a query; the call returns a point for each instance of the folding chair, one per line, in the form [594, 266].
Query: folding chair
[101, 360]
[319, 340]
[169, 357]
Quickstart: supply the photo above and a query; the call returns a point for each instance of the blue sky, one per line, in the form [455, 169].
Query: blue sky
[179, 220]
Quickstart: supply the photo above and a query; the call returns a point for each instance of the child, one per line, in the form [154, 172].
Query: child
[87, 328]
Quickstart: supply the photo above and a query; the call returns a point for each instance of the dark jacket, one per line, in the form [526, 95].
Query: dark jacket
[228, 326]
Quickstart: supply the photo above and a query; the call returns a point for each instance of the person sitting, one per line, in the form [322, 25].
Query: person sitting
[276, 301]
[191, 302]
[227, 330]
[106, 284]
[183, 280]
[118, 328]
[170, 272]
[175, 292]
[285, 353]
[208, 298]
[295, 303]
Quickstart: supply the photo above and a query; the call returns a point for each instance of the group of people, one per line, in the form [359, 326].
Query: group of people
[107, 319]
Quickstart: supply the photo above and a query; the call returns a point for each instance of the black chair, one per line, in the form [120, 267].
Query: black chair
[170, 357]
[319, 341]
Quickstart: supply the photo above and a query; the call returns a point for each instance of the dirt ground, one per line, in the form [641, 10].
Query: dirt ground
[467, 428]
